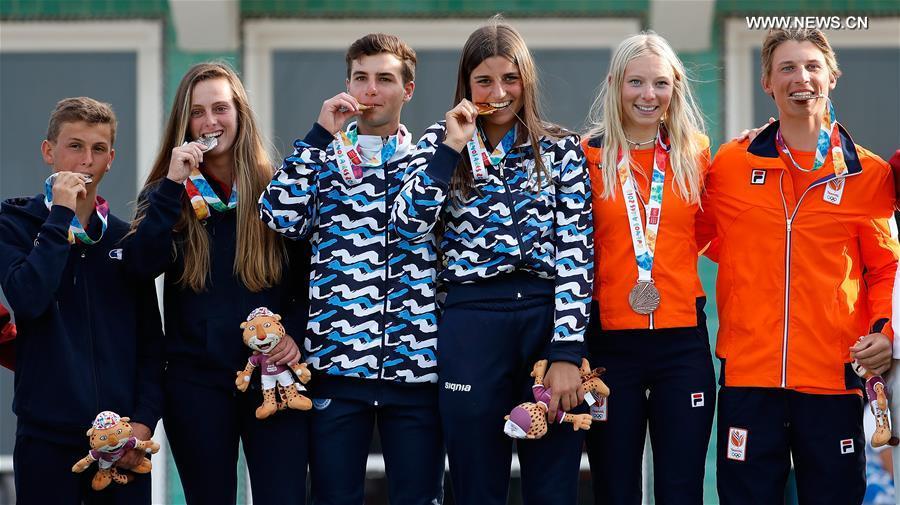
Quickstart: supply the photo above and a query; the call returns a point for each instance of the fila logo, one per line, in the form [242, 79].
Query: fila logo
[758, 177]
[847, 446]
[737, 444]
[115, 254]
[697, 400]
[452, 386]
[599, 410]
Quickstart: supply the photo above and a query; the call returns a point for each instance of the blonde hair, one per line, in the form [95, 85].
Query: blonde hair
[777, 37]
[498, 38]
[259, 256]
[683, 119]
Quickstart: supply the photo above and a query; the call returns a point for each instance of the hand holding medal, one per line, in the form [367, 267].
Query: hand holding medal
[337, 110]
[68, 188]
[187, 157]
[460, 125]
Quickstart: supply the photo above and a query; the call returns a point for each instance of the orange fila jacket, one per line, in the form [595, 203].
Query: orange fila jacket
[675, 262]
[800, 280]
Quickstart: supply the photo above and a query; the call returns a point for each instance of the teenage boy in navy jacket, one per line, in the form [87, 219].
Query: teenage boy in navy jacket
[87, 333]
[372, 332]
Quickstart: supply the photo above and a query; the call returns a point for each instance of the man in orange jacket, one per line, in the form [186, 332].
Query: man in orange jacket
[806, 268]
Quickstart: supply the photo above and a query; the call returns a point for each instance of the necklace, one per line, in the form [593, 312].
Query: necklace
[639, 144]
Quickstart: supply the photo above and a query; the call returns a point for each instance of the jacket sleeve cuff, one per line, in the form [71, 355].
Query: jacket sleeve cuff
[572, 352]
[170, 189]
[882, 325]
[58, 220]
[318, 137]
[443, 164]
[149, 417]
[60, 215]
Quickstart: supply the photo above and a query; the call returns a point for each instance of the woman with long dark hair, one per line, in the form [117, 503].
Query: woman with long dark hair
[508, 193]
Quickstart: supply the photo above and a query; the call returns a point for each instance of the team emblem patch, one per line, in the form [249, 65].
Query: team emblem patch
[834, 191]
[758, 177]
[321, 403]
[599, 410]
[847, 446]
[737, 444]
[697, 400]
[115, 254]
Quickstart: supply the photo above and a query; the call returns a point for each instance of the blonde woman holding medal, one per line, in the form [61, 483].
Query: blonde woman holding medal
[509, 196]
[647, 156]
[197, 223]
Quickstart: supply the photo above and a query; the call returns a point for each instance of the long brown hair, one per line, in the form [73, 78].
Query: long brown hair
[258, 261]
[498, 38]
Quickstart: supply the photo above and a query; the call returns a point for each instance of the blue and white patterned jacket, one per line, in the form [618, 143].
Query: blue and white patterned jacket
[372, 296]
[505, 225]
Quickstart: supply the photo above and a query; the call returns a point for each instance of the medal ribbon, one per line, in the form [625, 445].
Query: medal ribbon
[643, 238]
[203, 197]
[76, 230]
[479, 156]
[829, 140]
[350, 156]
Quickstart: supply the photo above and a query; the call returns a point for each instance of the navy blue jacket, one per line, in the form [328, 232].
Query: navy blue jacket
[88, 331]
[203, 334]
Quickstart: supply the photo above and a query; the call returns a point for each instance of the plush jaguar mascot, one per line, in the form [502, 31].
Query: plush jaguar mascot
[876, 392]
[111, 437]
[529, 420]
[262, 332]
[594, 388]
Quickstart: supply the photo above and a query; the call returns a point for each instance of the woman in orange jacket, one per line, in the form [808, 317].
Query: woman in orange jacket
[647, 156]
[806, 268]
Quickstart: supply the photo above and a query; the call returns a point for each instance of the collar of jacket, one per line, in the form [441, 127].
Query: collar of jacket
[763, 151]
[404, 145]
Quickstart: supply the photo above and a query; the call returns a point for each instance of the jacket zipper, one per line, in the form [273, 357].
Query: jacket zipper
[387, 273]
[88, 311]
[512, 208]
[789, 221]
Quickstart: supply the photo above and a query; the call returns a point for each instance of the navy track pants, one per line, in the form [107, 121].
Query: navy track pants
[663, 379]
[761, 430]
[43, 474]
[486, 350]
[204, 425]
[411, 445]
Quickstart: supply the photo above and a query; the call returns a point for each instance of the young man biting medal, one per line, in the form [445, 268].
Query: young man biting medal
[372, 332]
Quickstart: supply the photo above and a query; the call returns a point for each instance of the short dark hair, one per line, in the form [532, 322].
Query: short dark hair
[377, 43]
[82, 108]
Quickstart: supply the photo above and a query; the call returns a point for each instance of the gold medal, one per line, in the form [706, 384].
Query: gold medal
[644, 297]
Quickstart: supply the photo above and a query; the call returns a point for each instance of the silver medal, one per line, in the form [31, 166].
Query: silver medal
[644, 297]
[209, 142]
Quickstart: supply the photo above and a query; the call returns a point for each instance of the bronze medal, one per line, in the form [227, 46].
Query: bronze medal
[644, 297]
